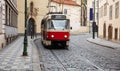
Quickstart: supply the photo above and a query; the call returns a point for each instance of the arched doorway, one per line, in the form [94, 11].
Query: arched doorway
[31, 27]
[104, 30]
[110, 28]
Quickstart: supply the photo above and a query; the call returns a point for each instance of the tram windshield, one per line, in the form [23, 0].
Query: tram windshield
[58, 24]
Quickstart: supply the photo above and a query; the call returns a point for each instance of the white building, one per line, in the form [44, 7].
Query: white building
[8, 21]
[109, 23]
[73, 10]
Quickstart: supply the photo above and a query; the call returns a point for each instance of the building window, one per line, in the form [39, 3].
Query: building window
[105, 9]
[31, 7]
[110, 13]
[97, 16]
[9, 17]
[97, 3]
[6, 15]
[65, 11]
[93, 4]
[101, 11]
[117, 10]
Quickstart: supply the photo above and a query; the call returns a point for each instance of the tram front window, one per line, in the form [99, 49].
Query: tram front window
[59, 24]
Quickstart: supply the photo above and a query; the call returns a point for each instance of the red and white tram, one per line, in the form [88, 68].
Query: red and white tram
[55, 29]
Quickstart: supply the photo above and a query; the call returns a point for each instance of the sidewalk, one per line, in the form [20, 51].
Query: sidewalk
[11, 58]
[104, 43]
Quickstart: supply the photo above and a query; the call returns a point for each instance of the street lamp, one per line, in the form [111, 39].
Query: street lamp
[25, 34]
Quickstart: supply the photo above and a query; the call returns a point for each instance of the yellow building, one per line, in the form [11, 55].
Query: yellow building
[36, 10]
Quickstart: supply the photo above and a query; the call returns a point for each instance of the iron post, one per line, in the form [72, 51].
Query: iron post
[25, 34]
[94, 23]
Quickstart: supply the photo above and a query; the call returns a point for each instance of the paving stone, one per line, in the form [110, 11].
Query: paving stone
[11, 58]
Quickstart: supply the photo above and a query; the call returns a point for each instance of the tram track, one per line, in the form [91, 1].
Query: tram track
[77, 58]
[43, 58]
[87, 60]
[55, 56]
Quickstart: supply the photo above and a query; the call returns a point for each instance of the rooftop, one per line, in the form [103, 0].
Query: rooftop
[67, 2]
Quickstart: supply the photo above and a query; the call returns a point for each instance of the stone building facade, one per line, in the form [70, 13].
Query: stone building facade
[8, 21]
[36, 10]
[109, 23]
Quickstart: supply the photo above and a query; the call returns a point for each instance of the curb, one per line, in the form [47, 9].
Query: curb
[35, 57]
[40, 56]
[100, 44]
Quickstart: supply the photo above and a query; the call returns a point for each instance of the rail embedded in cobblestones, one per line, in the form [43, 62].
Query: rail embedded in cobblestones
[53, 61]
[64, 68]
[87, 60]
[49, 60]
[81, 56]
[102, 62]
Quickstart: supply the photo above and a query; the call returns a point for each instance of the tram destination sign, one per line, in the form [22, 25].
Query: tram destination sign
[58, 17]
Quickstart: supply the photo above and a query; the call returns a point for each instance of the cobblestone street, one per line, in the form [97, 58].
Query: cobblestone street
[59, 35]
[80, 56]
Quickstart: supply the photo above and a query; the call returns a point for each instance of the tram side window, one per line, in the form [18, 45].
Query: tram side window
[45, 25]
[42, 24]
[50, 25]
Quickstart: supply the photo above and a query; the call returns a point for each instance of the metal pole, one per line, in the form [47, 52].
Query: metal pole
[98, 19]
[25, 34]
[94, 12]
[94, 23]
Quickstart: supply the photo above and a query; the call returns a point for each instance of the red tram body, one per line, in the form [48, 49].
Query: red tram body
[55, 29]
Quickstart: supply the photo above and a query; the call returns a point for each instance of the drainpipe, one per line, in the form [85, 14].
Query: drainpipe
[98, 19]
[81, 12]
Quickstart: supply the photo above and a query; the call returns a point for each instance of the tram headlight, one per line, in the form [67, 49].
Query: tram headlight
[65, 36]
[52, 36]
